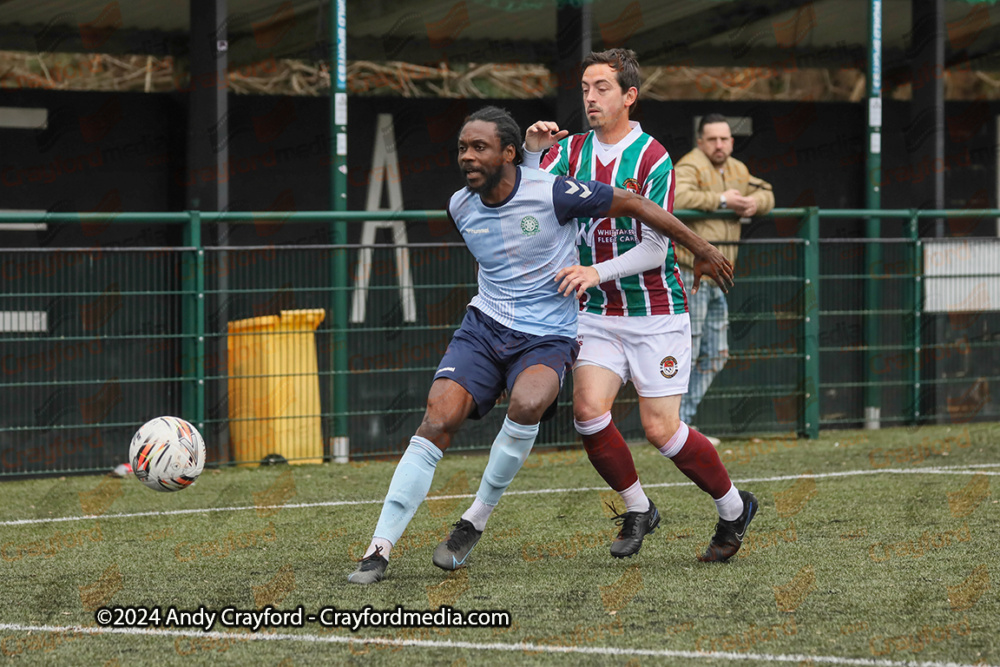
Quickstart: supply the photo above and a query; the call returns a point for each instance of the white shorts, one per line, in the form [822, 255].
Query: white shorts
[653, 351]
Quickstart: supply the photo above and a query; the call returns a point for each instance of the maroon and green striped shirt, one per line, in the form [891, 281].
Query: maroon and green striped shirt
[640, 164]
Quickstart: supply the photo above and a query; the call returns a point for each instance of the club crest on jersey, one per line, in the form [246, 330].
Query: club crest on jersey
[631, 185]
[668, 367]
[529, 226]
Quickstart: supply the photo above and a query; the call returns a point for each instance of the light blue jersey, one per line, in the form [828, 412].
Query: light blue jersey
[522, 242]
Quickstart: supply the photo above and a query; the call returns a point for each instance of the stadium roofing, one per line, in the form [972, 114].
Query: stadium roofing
[740, 33]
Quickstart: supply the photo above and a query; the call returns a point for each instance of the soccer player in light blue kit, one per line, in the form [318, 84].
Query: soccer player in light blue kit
[519, 333]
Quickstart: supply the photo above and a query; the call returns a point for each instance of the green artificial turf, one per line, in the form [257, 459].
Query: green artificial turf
[867, 564]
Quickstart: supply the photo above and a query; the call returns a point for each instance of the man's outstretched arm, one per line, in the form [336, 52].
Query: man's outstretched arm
[708, 260]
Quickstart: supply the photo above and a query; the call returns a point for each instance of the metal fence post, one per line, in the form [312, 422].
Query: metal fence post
[875, 270]
[917, 304]
[873, 200]
[193, 325]
[810, 326]
[340, 443]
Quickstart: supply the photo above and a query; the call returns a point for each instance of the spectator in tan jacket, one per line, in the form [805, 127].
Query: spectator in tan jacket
[710, 179]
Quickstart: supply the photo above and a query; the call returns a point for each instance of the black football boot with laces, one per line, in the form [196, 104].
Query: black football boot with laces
[371, 568]
[635, 527]
[451, 554]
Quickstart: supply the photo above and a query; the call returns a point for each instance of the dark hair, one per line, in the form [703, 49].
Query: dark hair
[622, 61]
[507, 128]
[709, 119]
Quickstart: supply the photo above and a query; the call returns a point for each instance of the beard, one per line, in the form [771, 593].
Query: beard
[491, 179]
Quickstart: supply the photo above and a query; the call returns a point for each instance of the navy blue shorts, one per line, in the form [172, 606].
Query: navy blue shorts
[484, 356]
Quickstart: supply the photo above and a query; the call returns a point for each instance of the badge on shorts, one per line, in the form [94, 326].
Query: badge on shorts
[668, 367]
[529, 226]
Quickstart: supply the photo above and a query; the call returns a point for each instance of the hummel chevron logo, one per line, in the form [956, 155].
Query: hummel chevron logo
[574, 186]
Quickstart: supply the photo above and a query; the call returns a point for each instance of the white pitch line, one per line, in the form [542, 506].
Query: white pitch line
[474, 646]
[940, 470]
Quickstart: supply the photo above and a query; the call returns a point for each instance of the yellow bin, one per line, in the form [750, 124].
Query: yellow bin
[274, 387]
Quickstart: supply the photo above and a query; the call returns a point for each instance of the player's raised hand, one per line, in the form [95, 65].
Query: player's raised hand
[577, 279]
[714, 265]
[543, 134]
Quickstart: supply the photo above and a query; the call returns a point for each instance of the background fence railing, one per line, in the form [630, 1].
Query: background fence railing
[96, 340]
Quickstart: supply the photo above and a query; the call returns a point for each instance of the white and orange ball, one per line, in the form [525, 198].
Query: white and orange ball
[167, 454]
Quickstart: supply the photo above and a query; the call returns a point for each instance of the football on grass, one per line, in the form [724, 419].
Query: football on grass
[167, 454]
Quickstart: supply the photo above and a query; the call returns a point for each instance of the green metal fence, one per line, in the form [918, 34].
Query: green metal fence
[96, 340]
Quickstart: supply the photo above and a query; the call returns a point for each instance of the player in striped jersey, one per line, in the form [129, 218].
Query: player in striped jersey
[635, 327]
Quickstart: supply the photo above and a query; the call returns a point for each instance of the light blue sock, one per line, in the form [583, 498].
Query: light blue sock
[409, 486]
[509, 451]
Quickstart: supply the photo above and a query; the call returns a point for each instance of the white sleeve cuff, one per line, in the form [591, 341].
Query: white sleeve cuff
[532, 159]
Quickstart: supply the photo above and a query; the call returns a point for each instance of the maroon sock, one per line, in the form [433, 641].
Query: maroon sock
[611, 457]
[699, 460]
